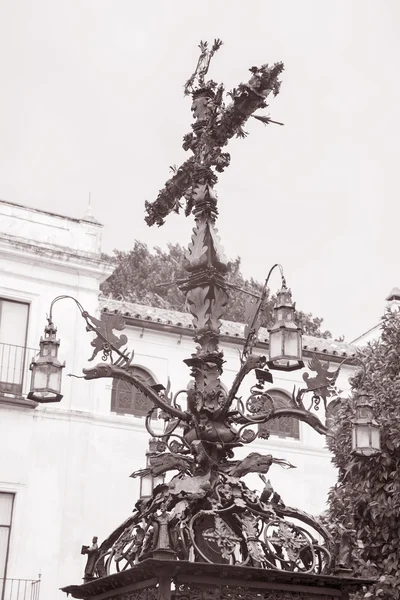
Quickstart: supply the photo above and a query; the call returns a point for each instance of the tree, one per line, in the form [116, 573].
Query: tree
[139, 273]
[367, 492]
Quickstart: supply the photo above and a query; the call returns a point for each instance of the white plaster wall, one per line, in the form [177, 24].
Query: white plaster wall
[43, 451]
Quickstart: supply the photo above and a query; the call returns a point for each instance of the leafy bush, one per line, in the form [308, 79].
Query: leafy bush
[368, 489]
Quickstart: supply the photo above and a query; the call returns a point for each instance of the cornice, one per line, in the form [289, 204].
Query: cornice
[49, 213]
[53, 257]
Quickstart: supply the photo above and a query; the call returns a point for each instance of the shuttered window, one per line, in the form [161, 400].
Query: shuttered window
[128, 399]
[283, 426]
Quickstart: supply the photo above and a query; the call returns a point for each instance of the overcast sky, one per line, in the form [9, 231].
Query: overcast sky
[92, 101]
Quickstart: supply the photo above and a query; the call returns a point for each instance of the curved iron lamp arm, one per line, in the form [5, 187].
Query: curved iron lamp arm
[108, 370]
[117, 370]
[92, 324]
[252, 331]
[301, 415]
[354, 358]
[64, 297]
[252, 363]
[249, 362]
[298, 413]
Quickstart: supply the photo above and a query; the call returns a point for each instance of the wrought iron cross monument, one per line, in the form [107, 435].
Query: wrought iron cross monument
[205, 522]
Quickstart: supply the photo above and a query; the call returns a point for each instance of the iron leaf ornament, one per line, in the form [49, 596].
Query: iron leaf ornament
[106, 340]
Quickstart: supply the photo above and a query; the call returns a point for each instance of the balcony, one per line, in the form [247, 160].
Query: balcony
[14, 374]
[19, 589]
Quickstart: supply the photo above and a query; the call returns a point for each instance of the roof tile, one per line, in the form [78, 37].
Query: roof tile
[229, 328]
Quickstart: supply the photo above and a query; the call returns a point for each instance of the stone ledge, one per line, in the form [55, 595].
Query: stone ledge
[16, 401]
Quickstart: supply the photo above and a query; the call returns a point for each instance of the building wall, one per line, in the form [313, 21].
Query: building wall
[42, 256]
[69, 463]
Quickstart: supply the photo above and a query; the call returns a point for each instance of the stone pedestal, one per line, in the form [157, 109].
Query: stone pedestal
[155, 579]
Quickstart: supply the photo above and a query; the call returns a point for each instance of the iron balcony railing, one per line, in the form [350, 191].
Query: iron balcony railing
[14, 369]
[19, 589]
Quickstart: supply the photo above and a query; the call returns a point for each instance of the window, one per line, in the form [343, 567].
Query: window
[13, 328]
[128, 399]
[6, 509]
[283, 426]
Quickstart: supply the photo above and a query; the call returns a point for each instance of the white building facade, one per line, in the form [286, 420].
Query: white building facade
[64, 468]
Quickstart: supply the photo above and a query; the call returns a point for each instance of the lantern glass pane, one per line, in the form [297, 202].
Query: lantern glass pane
[361, 438]
[354, 438]
[375, 437]
[146, 485]
[364, 412]
[39, 377]
[52, 350]
[291, 341]
[275, 344]
[280, 314]
[54, 378]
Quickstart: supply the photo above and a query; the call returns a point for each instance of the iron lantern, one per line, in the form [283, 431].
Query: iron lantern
[149, 481]
[366, 439]
[46, 369]
[285, 343]
[146, 486]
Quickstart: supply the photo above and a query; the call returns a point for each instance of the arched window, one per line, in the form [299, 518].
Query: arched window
[283, 426]
[127, 399]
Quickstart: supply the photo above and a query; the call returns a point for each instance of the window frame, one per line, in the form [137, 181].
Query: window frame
[10, 527]
[16, 389]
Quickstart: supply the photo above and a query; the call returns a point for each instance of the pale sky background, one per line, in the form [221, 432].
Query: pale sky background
[92, 101]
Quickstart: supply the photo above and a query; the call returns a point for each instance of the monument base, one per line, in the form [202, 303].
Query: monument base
[155, 579]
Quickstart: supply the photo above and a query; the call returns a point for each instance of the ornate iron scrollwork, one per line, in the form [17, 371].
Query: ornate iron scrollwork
[227, 592]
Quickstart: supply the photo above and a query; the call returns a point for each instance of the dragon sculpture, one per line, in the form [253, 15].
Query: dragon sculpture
[206, 512]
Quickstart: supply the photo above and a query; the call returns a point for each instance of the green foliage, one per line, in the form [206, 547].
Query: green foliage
[139, 272]
[368, 489]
